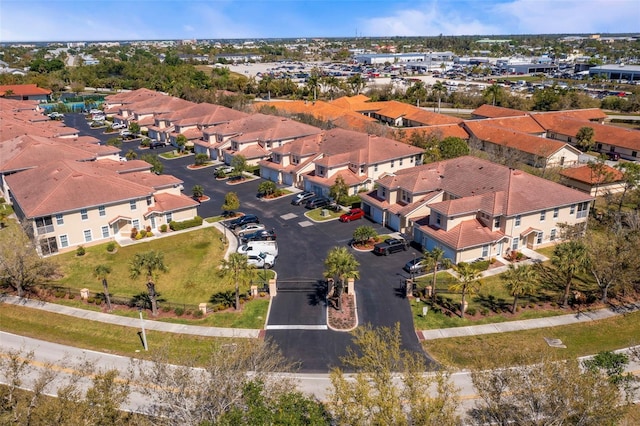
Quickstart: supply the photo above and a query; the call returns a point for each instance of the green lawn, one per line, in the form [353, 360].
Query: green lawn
[316, 214]
[192, 259]
[580, 339]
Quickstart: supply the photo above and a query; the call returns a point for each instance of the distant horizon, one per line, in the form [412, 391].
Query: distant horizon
[149, 20]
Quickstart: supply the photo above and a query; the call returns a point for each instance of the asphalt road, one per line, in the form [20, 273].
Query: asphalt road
[303, 246]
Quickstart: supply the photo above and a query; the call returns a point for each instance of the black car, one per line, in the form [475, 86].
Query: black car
[302, 197]
[318, 202]
[262, 235]
[156, 144]
[243, 220]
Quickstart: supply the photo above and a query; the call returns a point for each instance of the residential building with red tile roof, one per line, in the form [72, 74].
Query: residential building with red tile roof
[594, 179]
[473, 208]
[513, 147]
[438, 131]
[88, 202]
[315, 162]
[492, 111]
[24, 92]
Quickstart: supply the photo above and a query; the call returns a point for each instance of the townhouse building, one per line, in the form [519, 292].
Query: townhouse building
[473, 208]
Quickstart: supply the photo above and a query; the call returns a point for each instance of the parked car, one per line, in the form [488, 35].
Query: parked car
[125, 133]
[261, 235]
[317, 202]
[613, 156]
[302, 197]
[249, 228]
[56, 116]
[243, 220]
[156, 144]
[352, 214]
[390, 245]
[254, 247]
[117, 126]
[224, 168]
[415, 266]
[261, 260]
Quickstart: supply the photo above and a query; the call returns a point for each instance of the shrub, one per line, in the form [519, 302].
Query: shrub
[80, 251]
[111, 246]
[91, 300]
[179, 311]
[471, 311]
[148, 228]
[185, 224]
[198, 314]
[98, 301]
[163, 227]
[166, 309]
[134, 232]
[149, 234]
[483, 265]
[484, 311]
[59, 294]
[262, 294]
[188, 312]
[72, 296]
[139, 236]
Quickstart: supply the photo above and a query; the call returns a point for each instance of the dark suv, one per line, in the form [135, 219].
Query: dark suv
[243, 220]
[318, 202]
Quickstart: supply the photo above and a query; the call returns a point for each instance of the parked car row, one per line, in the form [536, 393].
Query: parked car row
[257, 243]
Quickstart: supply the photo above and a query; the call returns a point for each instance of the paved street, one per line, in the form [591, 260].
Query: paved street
[297, 320]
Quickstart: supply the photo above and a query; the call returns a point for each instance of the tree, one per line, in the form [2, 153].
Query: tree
[630, 177]
[584, 138]
[231, 202]
[600, 174]
[453, 147]
[389, 386]
[363, 233]
[612, 259]
[468, 283]
[356, 83]
[239, 164]
[131, 155]
[493, 92]
[339, 191]
[197, 191]
[181, 141]
[340, 265]
[20, 266]
[150, 263]
[436, 261]
[200, 159]
[519, 281]
[237, 268]
[569, 258]
[134, 128]
[156, 165]
[267, 188]
[101, 272]
[439, 89]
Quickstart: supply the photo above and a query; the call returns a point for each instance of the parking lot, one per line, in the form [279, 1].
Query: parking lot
[297, 319]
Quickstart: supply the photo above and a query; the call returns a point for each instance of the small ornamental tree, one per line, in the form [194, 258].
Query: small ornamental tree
[239, 164]
[201, 159]
[134, 128]
[364, 233]
[339, 190]
[584, 138]
[267, 188]
[231, 202]
[181, 141]
[197, 191]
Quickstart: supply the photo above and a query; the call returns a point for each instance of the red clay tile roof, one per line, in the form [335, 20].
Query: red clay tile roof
[524, 124]
[587, 175]
[165, 203]
[587, 114]
[491, 111]
[469, 233]
[23, 90]
[25, 152]
[441, 132]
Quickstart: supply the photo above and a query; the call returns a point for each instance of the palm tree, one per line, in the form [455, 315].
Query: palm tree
[340, 265]
[494, 91]
[436, 260]
[439, 89]
[519, 281]
[237, 268]
[569, 258]
[101, 272]
[468, 282]
[150, 263]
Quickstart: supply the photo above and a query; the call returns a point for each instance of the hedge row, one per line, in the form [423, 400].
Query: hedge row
[191, 223]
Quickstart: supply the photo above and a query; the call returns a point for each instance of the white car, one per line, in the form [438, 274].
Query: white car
[261, 260]
[249, 228]
[116, 126]
[125, 133]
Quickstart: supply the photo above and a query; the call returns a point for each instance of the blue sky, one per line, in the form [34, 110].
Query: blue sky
[66, 20]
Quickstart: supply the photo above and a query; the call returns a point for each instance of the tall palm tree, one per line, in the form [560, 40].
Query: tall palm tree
[341, 265]
[436, 260]
[519, 281]
[439, 89]
[569, 258]
[236, 268]
[150, 263]
[493, 91]
[101, 272]
[468, 282]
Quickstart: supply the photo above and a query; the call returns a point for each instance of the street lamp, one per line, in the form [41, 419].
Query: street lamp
[144, 334]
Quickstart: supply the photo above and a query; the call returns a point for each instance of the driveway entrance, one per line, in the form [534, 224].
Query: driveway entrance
[299, 305]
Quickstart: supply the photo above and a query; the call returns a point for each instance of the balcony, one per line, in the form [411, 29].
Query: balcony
[41, 230]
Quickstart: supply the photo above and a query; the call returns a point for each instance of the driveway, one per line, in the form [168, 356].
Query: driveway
[297, 320]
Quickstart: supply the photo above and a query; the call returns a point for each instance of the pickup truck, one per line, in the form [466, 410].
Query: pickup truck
[390, 245]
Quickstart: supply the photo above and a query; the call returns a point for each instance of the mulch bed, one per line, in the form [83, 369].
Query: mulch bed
[345, 318]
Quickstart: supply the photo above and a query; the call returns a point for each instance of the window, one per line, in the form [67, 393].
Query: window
[384, 192]
[135, 223]
[400, 162]
[105, 232]
[59, 219]
[515, 243]
[438, 218]
[84, 214]
[149, 201]
[168, 217]
[539, 237]
[87, 235]
[543, 215]
[392, 163]
[44, 224]
[496, 222]
[552, 235]
[48, 245]
[102, 211]
[518, 220]
[485, 250]
[583, 210]
[572, 209]
[634, 153]
[375, 167]
[556, 212]
[64, 241]
[132, 205]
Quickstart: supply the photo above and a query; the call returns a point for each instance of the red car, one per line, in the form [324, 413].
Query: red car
[352, 214]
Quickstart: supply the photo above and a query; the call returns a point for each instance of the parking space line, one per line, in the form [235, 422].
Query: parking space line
[296, 327]
[288, 216]
[305, 223]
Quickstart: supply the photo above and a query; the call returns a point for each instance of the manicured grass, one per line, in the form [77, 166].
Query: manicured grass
[316, 214]
[102, 337]
[170, 155]
[192, 259]
[580, 339]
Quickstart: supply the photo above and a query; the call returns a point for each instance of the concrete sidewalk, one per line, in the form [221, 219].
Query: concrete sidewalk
[503, 327]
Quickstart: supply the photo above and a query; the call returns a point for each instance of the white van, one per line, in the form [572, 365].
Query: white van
[256, 247]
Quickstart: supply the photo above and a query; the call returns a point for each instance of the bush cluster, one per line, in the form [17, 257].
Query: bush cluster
[185, 224]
